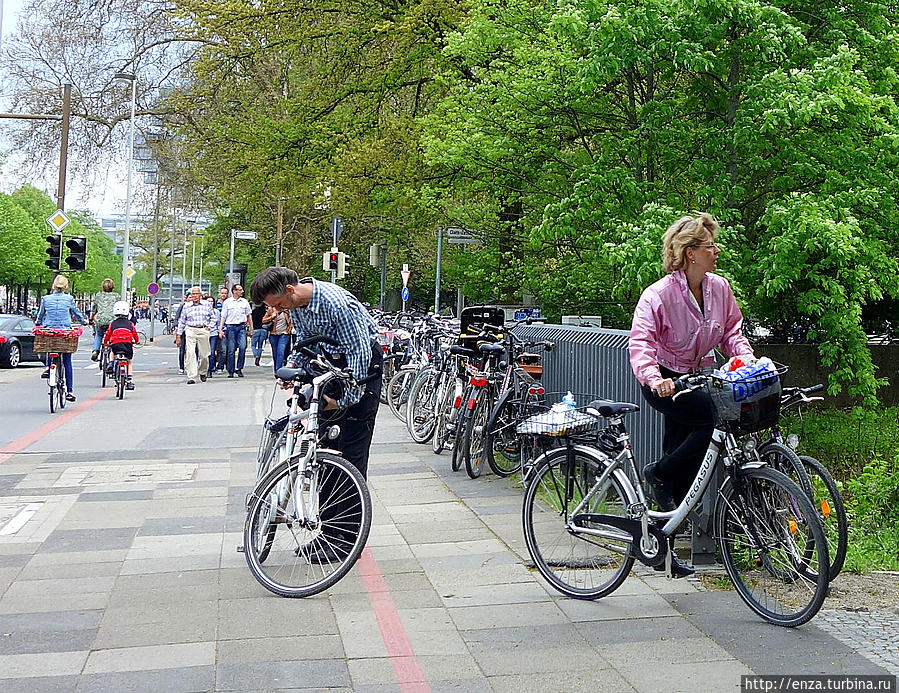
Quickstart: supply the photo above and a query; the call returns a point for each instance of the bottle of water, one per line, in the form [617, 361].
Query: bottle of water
[569, 400]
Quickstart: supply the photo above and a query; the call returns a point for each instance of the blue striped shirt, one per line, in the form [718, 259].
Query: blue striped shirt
[334, 312]
[197, 315]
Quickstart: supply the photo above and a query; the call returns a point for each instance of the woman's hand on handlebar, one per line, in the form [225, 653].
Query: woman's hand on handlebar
[665, 388]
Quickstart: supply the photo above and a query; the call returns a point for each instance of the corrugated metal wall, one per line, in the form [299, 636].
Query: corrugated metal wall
[593, 361]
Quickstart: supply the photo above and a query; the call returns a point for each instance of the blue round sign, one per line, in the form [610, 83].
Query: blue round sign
[405, 294]
[153, 288]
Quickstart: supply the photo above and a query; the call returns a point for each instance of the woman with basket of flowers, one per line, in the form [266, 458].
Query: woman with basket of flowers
[56, 312]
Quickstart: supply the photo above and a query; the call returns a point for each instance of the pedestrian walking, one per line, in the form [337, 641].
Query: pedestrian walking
[101, 313]
[324, 309]
[233, 326]
[196, 322]
[260, 334]
[279, 335]
[56, 312]
[215, 342]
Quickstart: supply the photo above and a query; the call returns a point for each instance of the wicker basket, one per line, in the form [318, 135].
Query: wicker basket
[56, 343]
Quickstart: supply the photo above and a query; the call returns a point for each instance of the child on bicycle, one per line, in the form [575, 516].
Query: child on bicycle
[120, 337]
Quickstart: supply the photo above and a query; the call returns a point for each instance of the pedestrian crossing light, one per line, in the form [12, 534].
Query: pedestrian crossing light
[54, 250]
[77, 258]
[330, 260]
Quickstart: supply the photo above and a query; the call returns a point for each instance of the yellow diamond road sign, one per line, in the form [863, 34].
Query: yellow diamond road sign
[58, 220]
[130, 272]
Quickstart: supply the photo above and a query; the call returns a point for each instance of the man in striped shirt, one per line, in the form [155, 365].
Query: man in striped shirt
[197, 319]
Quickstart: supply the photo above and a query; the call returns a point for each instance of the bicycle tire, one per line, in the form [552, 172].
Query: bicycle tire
[475, 428]
[459, 436]
[60, 387]
[578, 565]
[397, 391]
[388, 371]
[831, 510]
[782, 458]
[51, 379]
[141, 339]
[119, 386]
[770, 522]
[104, 364]
[290, 569]
[502, 444]
[420, 420]
[444, 410]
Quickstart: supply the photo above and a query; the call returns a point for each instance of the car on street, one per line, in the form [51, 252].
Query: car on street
[16, 340]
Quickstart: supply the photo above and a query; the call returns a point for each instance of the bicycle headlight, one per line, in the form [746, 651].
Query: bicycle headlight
[793, 441]
[333, 432]
[749, 444]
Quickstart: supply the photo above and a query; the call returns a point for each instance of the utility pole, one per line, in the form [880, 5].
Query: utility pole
[280, 231]
[64, 145]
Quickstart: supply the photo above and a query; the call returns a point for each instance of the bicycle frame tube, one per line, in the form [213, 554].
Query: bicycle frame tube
[700, 484]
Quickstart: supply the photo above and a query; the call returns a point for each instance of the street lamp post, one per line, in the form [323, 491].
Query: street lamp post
[126, 248]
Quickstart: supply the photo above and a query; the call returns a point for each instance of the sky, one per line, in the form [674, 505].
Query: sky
[109, 200]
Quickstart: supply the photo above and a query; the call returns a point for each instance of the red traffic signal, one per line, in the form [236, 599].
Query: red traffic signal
[333, 260]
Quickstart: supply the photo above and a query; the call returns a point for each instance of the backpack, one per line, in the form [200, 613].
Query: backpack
[103, 304]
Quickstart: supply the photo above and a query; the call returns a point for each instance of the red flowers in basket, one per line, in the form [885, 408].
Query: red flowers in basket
[56, 332]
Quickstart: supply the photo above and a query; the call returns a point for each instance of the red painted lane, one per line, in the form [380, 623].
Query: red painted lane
[59, 419]
[402, 657]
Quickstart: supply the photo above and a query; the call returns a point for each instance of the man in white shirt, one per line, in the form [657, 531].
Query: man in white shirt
[233, 329]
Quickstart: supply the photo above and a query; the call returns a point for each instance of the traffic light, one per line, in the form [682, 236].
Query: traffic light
[54, 250]
[333, 260]
[77, 258]
[343, 265]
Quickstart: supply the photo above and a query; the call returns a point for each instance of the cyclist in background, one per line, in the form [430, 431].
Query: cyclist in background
[101, 313]
[120, 336]
[56, 313]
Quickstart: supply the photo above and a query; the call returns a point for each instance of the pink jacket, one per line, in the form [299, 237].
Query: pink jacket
[669, 330]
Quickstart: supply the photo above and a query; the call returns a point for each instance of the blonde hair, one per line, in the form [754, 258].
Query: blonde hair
[61, 283]
[686, 232]
[107, 285]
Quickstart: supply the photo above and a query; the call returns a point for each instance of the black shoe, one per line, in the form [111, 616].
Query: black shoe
[240, 374]
[679, 569]
[202, 378]
[661, 490]
[326, 554]
[70, 397]
[129, 385]
[230, 375]
[45, 375]
[95, 355]
[257, 360]
[191, 381]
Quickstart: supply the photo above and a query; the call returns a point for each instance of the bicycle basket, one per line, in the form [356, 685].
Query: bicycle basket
[48, 340]
[748, 399]
[555, 419]
[532, 364]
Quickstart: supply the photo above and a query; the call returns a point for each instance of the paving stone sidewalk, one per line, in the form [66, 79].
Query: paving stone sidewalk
[124, 576]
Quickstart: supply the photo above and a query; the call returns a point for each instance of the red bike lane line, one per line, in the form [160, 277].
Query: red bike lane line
[59, 419]
[402, 657]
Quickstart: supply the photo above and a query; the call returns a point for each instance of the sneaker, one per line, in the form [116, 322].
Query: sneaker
[239, 374]
[661, 489]
[129, 385]
[191, 381]
[230, 375]
[181, 371]
[45, 375]
[95, 355]
[202, 378]
[70, 397]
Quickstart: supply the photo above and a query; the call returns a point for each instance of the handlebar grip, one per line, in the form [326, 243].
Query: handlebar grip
[367, 379]
[813, 388]
[319, 339]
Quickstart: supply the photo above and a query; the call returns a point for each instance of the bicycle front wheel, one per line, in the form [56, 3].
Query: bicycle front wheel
[577, 564]
[772, 546]
[303, 534]
[398, 392]
[420, 419]
[475, 428]
[831, 512]
[442, 416]
[501, 443]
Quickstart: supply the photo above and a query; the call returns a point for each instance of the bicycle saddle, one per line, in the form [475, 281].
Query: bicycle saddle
[607, 408]
[491, 349]
[462, 351]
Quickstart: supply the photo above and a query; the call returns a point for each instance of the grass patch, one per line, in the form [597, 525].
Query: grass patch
[861, 449]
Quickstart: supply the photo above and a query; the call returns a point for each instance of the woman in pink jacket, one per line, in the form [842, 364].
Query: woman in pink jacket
[678, 321]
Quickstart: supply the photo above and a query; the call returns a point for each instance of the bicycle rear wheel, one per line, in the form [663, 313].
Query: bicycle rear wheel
[60, 386]
[475, 428]
[831, 512]
[295, 557]
[577, 564]
[444, 412]
[420, 419]
[398, 392]
[772, 546]
[51, 379]
[501, 442]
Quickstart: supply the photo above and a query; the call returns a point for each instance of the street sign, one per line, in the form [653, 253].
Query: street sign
[130, 272]
[245, 235]
[456, 234]
[405, 293]
[405, 274]
[152, 288]
[58, 220]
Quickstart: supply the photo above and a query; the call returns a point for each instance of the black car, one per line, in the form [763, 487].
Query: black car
[16, 340]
